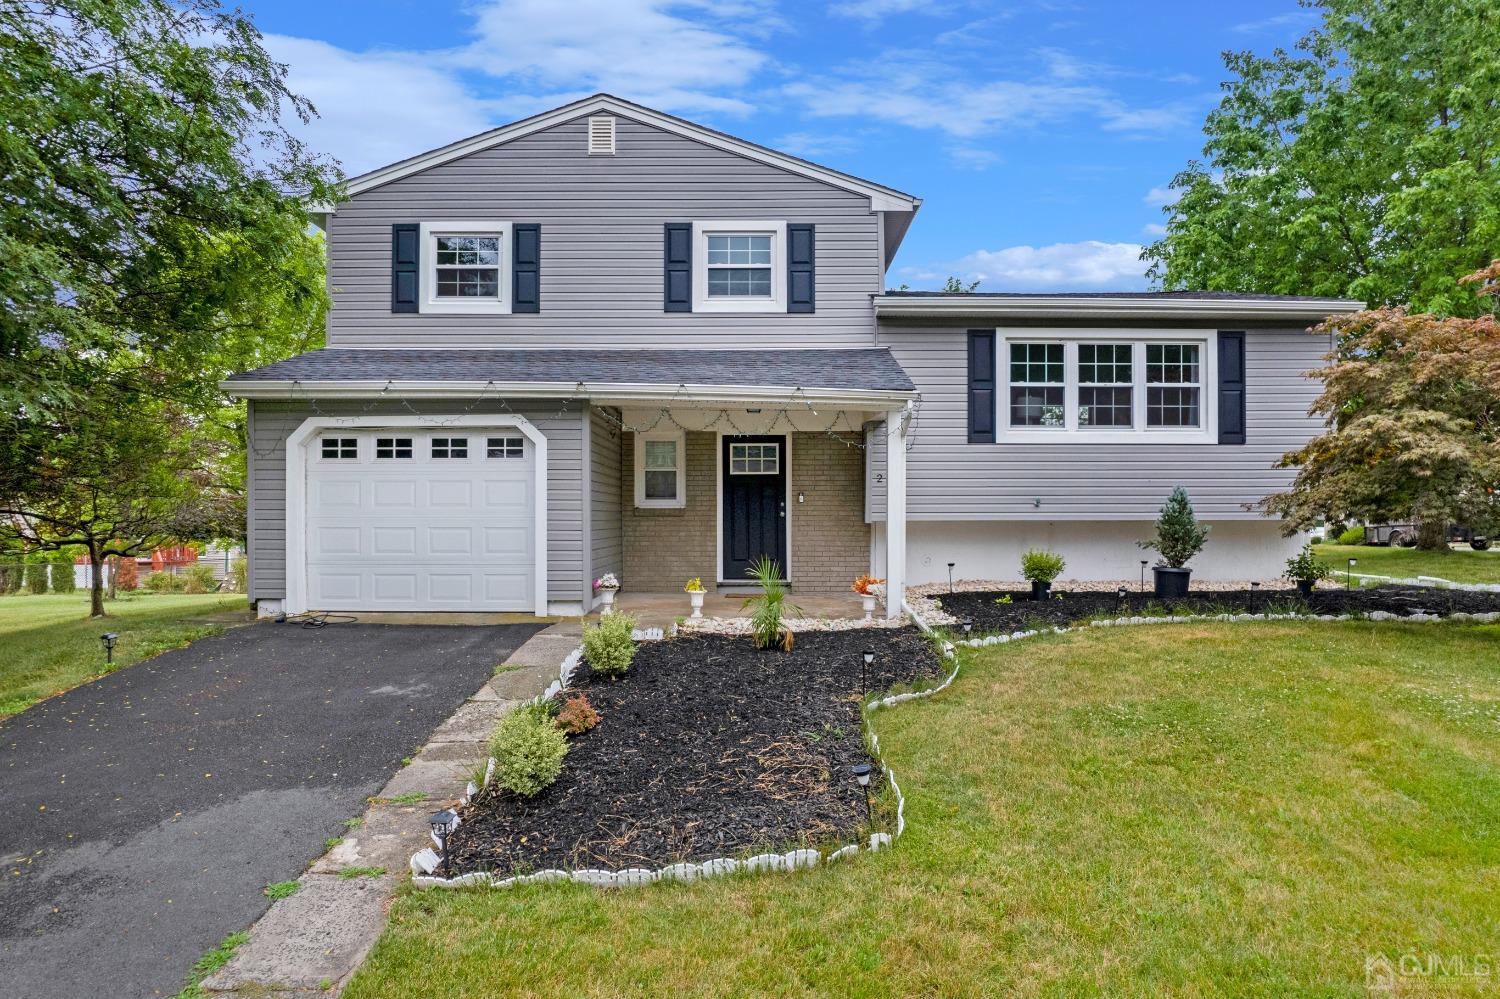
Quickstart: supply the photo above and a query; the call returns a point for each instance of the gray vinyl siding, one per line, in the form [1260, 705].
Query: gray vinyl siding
[601, 263]
[272, 422]
[606, 537]
[953, 480]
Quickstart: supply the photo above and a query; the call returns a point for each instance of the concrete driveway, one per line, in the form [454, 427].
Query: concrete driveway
[141, 815]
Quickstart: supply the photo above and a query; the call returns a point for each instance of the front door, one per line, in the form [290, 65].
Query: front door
[754, 470]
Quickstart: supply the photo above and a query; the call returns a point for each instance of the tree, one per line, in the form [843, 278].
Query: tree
[1363, 164]
[1412, 405]
[117, 478]
[152, 205]
[1179, 535]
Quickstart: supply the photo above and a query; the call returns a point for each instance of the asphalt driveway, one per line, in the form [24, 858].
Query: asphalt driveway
[141, 815]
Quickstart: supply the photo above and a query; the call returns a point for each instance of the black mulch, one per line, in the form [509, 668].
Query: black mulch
[708, 747]
[1023, 613]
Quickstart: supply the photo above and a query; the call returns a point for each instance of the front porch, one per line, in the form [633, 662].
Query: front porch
[662, 609]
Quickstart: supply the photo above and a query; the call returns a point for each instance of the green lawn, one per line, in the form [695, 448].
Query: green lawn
[1181, 809]
[1460, 566]
[48, 644]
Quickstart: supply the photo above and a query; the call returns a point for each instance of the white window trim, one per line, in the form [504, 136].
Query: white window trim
[427, 293]
[1208, 373]
[680, 439]
[775, 229]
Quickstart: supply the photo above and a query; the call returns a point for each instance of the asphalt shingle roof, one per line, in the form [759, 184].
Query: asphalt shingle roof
[861, 369]
[1204, 296]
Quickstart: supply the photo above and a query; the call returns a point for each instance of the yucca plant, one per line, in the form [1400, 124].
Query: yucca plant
[770, 606]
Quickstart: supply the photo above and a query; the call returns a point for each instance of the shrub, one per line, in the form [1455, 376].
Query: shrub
[1041, 566]
[1353, 536]
[127, 573]
[63, 580]
[36, 577]
[528, 750]
[165, 582]
[1179, 536]
[608, 647]
[577, 716]
[1304, 567]
[767, 622]
[198, 579]
[12, 575]
[239, 571]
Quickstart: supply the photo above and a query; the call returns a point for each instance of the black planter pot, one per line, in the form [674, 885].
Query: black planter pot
[1305, 587]
[1041, 590]
[1171, 582]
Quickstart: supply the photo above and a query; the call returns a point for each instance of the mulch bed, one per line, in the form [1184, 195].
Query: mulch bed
[1023, 613]
[708, 748]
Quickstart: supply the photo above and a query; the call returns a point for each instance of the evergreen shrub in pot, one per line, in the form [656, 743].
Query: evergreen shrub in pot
[1179, 536]
[1041, 567]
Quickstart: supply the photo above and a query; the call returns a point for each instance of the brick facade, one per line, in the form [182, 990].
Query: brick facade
[830, 542]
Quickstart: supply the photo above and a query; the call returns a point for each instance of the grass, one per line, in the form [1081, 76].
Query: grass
[277, 890]
[211, 962]
[1251, 809]
[350, 873]
[1460, 566]
[52, 646]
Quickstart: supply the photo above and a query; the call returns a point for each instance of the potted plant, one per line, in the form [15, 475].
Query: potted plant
[868, 588]
[1179, 537]
[607, 586]
[1041, 567]
[694, 590]
[1305, 570]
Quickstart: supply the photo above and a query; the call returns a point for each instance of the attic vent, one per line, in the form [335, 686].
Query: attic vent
[602, 135]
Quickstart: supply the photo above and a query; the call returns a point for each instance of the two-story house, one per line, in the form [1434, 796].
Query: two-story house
[604, 339]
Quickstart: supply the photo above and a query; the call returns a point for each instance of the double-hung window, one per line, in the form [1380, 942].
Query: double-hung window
[660, 470]
[466, 267]
[739, 266]
[1107, 385]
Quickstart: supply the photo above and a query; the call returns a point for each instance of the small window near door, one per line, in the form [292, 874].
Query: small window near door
[340, 448]
[393, 447]
[505, 447]
[754, 459]
[450, 447]
[659, 470]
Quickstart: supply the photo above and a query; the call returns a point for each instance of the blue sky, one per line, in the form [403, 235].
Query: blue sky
[1041, 136]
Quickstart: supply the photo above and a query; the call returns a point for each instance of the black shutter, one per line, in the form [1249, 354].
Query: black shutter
[526, 268]
[1231, 388]
[981, 386]
[406, 266]
[677, 276]
[799, 268]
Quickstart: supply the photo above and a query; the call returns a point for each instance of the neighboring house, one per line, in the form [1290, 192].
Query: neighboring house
[604, 339]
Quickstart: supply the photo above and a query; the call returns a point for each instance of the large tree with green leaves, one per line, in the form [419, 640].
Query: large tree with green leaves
[1365, 163]
[152, 203]
[1412, 403]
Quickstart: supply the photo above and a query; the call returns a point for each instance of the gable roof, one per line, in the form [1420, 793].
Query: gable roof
[882, 198]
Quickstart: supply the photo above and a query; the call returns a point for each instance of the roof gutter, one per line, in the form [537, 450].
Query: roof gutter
[601, 392]
[1083, 307]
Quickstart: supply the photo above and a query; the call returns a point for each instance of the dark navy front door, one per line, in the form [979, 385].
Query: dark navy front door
[754, 470]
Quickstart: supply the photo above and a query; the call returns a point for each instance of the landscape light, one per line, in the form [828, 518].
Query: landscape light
[1143, 575]
[1119, 598]
[968, 627]
[1254, 590]
[1349, 578]
[950, 577]
[862, 774]
[109, 638]
[442, 824]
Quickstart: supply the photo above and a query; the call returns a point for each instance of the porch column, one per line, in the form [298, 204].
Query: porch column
[895, 511]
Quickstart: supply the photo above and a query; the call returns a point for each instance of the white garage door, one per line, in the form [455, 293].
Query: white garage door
[421, 520]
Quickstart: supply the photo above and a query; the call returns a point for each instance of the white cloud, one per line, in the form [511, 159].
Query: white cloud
[974, 158]
[1141, 120]
[375, 107]
[1161, 196]
[1154, 229]
[1291, 19]
[874, 11]
[808, 144]
[1091, 265]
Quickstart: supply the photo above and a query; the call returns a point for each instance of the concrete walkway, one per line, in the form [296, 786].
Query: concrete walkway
[310, 943]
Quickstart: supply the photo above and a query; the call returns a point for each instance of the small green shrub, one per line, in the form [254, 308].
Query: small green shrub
[1179, 535]
[165, 582]
[608, 647]
[1353, 536]
[1041, 566]
[239, 571]
[63, 580]
[1304, 567]
[770, 607]
[577, 716]
[528, 750]
[198, 579]
[36, 577]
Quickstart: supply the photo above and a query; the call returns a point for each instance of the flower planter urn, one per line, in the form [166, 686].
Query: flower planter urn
[695, 597]
[1040, 590]
[867, 601]
[1171, 582]
[1305, 587]
[608, 596]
